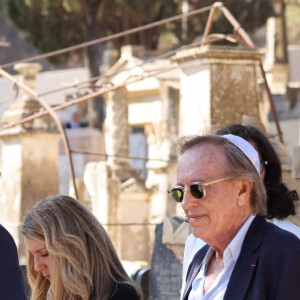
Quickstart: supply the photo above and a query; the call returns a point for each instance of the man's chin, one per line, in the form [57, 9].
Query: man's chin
[199, 232]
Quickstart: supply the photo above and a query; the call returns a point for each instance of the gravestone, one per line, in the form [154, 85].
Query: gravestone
[142, 278]
[166, 270]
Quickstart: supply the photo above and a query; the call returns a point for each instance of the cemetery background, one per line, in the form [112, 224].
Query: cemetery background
[143, 120]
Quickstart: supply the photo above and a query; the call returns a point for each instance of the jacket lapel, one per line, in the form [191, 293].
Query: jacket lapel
[193, 270]
[247, 261]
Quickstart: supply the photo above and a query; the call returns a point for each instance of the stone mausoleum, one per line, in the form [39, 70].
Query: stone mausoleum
[204, 88]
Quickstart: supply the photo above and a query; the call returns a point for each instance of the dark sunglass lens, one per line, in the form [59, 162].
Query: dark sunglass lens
[197, 190]
[177, 194]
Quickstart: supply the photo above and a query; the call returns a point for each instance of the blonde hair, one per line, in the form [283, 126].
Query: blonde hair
[84, 264]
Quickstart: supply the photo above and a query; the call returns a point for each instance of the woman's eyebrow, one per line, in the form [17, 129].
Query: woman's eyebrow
[37, 251]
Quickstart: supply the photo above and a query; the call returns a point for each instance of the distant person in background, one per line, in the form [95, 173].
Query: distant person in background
[11, 280]
[70, 255]
[280, 200]
[76, 121]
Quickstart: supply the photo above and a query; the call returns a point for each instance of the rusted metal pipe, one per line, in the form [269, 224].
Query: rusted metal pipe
[101, 92]
[237, 27]
[52, 113]
[215, 38]
[124, 156]
[210, 19]
[110, 37]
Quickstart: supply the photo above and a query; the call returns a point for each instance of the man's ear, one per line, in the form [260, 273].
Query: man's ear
[244, 192]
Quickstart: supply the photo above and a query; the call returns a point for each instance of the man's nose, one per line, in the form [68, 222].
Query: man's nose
[38, 264]
[189, 201]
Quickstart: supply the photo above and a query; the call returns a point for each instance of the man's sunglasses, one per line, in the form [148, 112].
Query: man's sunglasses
[197, 189]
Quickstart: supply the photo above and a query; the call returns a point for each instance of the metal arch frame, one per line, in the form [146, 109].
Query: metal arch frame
[238, 30]
[51, 111]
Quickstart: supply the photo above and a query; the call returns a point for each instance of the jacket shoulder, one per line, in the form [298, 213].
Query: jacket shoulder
[281, 237]
[267, 235]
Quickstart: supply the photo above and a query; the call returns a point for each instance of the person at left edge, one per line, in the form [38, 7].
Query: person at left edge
[11, 280]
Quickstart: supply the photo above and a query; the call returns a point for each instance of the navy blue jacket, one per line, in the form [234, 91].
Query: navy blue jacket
[11, 280]
[268, 267]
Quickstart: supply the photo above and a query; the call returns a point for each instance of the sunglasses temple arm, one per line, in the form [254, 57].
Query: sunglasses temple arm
[215, 181]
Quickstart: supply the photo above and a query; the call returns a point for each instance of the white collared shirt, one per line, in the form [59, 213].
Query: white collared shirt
[230, 257]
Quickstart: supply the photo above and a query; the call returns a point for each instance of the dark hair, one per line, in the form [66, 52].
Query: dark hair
[280, 200]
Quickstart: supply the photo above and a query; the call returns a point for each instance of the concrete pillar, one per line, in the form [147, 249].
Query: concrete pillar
[103, 179]
[83, 140]
[162, 142]
[218, 86]
[296, 162]
[104, 192]
[291, 177]
[29, 159]
[276, 60]
[279, 48]
[134, 207]
[117, 133]
[170, 118]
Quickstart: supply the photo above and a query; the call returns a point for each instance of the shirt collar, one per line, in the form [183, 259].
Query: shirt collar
[235, 245]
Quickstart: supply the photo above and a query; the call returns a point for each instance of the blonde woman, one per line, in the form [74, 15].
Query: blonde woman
[70, 256]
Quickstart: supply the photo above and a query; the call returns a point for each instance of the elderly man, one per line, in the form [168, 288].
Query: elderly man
[219, 187]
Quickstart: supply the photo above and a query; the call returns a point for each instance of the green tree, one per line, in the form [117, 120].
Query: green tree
[55, 24]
